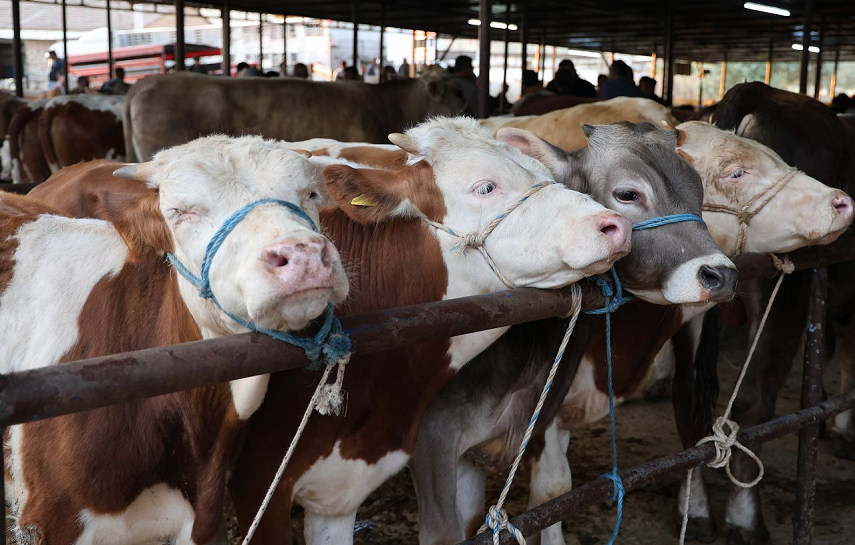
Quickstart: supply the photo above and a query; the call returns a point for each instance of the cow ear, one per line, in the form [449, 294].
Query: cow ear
[142, 226]
[370, 195]
[681, 141]
[744, 124]
[405, 142]
[141, 172]
[588, 130]
[554, 158]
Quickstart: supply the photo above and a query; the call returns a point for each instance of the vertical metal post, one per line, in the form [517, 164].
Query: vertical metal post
[3, 467]
[803, 77]
[355, 17]
[486, 15]
[722, 85]
[17, 46]
[179, 35]
[814, 362]
[227, 38]
[524, 35]
[65, 47]
[832, 88]
[413, 64]
[768, 79]
[109, 41]
[669, 55]
[818, 76]
[383, 34]
[284, 66]
[261, 43]
[542, 68]
[502, 95]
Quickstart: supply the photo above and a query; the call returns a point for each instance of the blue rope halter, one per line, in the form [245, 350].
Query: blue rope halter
[329, 343]
[613, 292]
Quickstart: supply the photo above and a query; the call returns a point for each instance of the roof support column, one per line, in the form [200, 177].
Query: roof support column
[261, 43]
[542, 69]
[179, 35]
[818, 79]
[109, 41]
[503, 95]
[226, 14]
[284, 65]
[768, 79]
[485, 9]
[722, 84]
[832, 88]
[669, 55]
[382, 35]
[65, 48]
[808, 15]
[17, 46]
[524, 34]
[355, 17]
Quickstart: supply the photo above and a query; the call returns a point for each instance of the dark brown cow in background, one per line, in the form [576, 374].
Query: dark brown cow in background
[27, 161]
[9, 104]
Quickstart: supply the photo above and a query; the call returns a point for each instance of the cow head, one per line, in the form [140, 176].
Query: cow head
[444, 93]
[633, 168]
[800, 211]
[460, 177]
[272, 269]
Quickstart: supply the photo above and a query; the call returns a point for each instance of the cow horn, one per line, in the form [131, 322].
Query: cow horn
[141, 172]
[406, 143]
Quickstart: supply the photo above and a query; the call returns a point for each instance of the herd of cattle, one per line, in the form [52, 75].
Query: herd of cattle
[83, 273]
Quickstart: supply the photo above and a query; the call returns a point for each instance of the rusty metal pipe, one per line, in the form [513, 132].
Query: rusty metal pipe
[89, 384]
[600, 490]
[814, 363]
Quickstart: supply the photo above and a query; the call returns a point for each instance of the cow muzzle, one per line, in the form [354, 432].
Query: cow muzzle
[300, 265]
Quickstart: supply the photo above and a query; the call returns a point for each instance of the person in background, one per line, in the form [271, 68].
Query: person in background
[568, 83]
[621, 82]
[338, 74]
[404, 70]
[58, 88]
[117, 85]
[531, 87]
[647, 88]
[301, 71]
[55, 66]
[464, 73]
[601, 82]
[244, 70]
[83, 87]
[388, 73]
[351, 74]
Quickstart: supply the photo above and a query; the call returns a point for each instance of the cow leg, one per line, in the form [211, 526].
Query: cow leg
[329, 530]
[756, 401]
[843, 426]
[701, 525]
[550, 477]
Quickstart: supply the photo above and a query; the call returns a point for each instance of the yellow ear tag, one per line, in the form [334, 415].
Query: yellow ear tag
[362, 200]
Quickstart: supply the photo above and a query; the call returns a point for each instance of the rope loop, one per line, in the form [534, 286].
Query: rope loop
[782, 265]
[497, 520]
[612, 290]
[618, 490]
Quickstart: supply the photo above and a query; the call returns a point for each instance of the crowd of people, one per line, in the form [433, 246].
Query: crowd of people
[58, 86]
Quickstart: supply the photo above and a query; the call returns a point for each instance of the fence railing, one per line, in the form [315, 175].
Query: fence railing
[72, 387]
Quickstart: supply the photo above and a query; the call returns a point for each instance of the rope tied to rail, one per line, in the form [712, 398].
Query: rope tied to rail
[497, 518]
[725, 431]
[744, 214]
[475, 239]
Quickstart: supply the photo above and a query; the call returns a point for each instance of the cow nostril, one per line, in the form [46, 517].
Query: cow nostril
[710, 278]
[843, 205]
[274, 259]
[610, 230]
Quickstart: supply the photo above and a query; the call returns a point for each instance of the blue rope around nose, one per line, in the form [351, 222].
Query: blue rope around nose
[329, 344]
[613, 292]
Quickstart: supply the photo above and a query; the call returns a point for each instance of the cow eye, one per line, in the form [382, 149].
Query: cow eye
[313, 196]
[736, 174]
[626, 195]
[485, 189]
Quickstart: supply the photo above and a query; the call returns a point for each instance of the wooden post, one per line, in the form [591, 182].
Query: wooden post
[768, 79]
[653, 65]
[722, 85]
[832, 88]
[226, 14]
[179, 35]
[17, 46]
[486, 16]
[805, 57]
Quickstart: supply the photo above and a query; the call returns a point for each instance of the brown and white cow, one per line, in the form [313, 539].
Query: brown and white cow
[25, 152]
[554, 238]
[563, 128]
[153, 469]
[172, 109]
[75, 128]
[9, 104]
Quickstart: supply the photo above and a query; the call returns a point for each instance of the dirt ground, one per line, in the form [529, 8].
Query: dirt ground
[645, 431]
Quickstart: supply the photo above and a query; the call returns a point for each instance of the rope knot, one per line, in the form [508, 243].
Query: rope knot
[469, 240]
[724, 437]
[618, 490]
[782, 265]
[497, 520]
